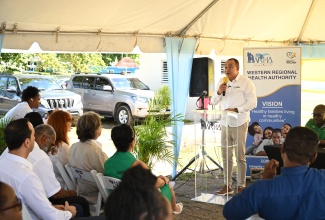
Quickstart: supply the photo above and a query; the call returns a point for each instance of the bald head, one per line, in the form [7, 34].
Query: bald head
[45, 136]
[319, 115]
[320, 107]
[44, 129]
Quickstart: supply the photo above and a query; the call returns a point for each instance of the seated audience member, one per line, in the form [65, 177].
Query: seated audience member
[256, 131]
[124, 139]
[61, 122]
[137, 192]
[275, 139]
[30, 99]
[43, 168]
[19, 137]
[317, 123]
[297, 193]
[267, 133]
[10, 205]
[285, 129]
[34, 118]
[87, 153]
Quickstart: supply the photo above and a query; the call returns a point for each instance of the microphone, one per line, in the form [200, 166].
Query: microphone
[225, 81]
[204, 93]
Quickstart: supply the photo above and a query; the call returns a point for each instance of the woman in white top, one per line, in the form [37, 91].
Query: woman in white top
[61, 122]
[30, 99]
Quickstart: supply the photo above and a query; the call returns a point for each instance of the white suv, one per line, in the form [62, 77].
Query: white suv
[112, 95]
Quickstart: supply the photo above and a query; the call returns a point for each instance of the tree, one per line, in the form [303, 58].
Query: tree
[82, 62]
[49, 61]
[11, 62]
[74, 62]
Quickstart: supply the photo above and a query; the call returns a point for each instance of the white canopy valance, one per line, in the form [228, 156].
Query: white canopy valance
[118, 26]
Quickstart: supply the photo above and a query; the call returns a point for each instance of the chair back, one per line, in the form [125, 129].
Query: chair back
[70, 185]
[76, 173]
[69, 172]
[108, 184]
[81, 174]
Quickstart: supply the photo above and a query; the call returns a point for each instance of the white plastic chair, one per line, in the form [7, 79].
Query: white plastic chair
[70, 185]
[69, 172]
[107, 183]
[77, 173]
[255, 217]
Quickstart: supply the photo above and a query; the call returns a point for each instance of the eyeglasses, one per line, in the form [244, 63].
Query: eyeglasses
[318, 114]
[228, 67]
[18, 204]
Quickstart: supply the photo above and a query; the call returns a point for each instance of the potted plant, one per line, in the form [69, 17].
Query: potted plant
[3, 124]
[153, 140]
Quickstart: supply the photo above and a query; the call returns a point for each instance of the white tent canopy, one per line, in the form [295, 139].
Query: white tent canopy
[118, 26]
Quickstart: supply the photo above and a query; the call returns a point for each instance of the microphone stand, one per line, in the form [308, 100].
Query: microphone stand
[203, 153]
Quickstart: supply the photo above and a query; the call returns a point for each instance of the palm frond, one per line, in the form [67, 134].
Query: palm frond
[3, 124]
[153, 140]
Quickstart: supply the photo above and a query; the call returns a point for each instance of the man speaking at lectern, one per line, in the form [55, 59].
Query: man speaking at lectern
[235, 93]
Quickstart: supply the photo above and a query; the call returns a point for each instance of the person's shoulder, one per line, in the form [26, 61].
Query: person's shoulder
[257, 136]
[24, 174]
[63, 144]
[79, 143]
[241, 77]
[318, 171]
[267, 141]
[141, 163]
[245, 80]
[309, 123]
[74, 145]
[37, 154]
[23, 106]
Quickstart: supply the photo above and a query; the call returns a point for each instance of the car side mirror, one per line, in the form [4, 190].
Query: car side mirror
[107, 88]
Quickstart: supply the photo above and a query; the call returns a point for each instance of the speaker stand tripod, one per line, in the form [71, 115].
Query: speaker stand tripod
[202, 154]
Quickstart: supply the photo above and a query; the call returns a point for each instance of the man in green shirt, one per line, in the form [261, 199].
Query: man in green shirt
[317, 123]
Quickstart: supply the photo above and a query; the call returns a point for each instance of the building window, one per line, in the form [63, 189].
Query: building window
[164, 78]
[223, 63]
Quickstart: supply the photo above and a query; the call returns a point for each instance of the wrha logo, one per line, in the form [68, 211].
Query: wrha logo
[291, 55]
[259, 58]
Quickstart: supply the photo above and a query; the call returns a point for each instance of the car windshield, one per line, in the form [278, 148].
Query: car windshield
[129, 83]
[40, 83]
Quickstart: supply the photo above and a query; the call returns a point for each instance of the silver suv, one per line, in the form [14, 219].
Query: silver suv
[52, 95]
[112, 95]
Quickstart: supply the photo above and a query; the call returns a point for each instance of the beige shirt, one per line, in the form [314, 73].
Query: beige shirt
[87, 156]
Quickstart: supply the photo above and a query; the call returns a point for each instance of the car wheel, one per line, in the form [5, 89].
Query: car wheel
[123, 115]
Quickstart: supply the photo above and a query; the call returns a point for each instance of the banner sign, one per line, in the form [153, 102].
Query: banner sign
[255, 164]
[276, 73]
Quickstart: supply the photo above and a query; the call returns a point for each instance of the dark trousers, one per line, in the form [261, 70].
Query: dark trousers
[80, 202]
